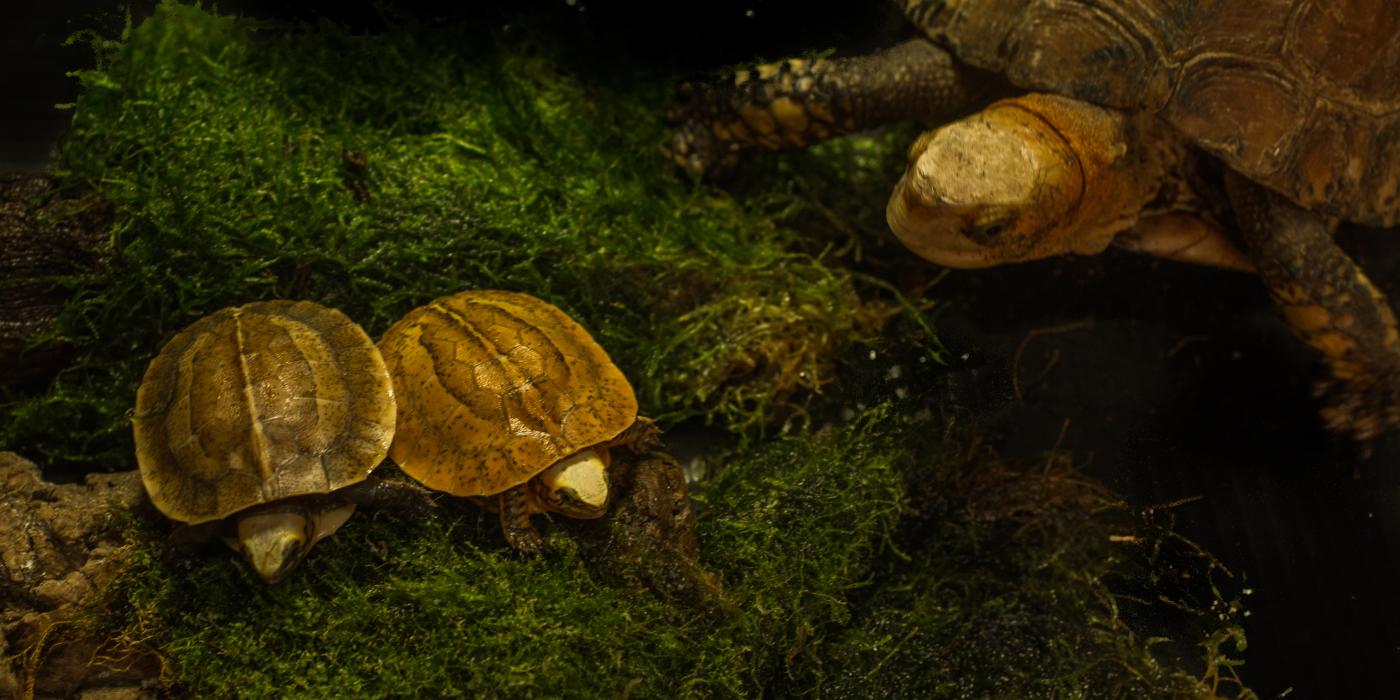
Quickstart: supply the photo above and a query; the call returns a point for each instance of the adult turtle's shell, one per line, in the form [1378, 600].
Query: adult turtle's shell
[494, 387]
[259, 403]
[1300, 95]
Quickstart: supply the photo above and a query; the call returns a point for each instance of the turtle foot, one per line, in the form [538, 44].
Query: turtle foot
[526, 540]
[695, 145]
[516, 506]
[1329, 304]
[1362, 410]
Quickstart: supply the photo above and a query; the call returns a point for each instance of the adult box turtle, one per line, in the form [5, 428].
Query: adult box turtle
[265, 421]
[504, 398]
[1299, 99]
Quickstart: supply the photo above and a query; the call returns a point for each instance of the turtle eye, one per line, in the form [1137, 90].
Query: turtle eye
[291, 554]
[987, 230]
[566, 496]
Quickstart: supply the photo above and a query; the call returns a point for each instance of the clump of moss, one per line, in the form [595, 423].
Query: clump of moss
[245, 160]
[1037, 582]
[795, 528]
[425, 608]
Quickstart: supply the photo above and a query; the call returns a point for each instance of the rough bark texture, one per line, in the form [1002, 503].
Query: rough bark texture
[61, 546]
[648, 538]
[44, 236]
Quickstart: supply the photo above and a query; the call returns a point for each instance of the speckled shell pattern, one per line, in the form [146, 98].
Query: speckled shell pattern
[1302, 96]
[259, 403]
[494, 387]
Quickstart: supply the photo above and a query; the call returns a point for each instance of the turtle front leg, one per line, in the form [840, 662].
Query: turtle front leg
[642, 437]
[515, 507]
[1329, 304]
[397, 493]
[796, 103]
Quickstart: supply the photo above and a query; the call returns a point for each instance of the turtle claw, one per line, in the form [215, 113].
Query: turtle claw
[694, 146]
[1362, 411]
[526, 540]
[695, 149]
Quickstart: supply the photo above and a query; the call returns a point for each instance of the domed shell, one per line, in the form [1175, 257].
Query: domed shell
[1300, 95]
[259, 403]
[494, 387]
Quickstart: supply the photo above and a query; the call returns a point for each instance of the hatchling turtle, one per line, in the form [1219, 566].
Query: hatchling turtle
[1299, 100]
[505, 399]
[264, 421]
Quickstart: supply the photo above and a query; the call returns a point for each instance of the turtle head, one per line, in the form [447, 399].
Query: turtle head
[275, 541]
[577, 486]
[989, 189]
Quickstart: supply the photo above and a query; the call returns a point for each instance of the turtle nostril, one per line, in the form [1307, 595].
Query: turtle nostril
[987, 231]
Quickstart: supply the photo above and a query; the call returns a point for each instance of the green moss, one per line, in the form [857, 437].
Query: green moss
[389, 608]
[1035, 582]
[231, 152]
[794, 529]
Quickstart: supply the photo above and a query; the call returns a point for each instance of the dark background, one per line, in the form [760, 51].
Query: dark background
[1174, 382]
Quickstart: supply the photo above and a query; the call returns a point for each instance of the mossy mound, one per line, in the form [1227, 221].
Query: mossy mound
[1036, 582]
[246, 161]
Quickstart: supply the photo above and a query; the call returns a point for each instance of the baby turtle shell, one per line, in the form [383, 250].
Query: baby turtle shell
[260, 404]
[494, 389]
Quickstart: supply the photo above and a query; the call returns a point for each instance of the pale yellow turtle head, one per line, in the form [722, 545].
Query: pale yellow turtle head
[576, 486]
[1006, 185]
[275, 541]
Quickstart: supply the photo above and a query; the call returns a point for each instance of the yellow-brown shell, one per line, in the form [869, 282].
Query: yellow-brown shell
[494, 387]
[259, 403]
[1300, 95]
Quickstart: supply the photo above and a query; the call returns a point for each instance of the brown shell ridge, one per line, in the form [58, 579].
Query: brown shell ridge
[586, 364]
[1228, 72]
[157, 407]
[1318, 148]
[261, 450]
[1350, 48]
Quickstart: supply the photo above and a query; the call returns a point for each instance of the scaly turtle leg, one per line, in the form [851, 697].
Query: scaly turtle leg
[1184, 237]
[796, 103]
[516, 509]
[642, 437]
[1329, 304]
[380, 492]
